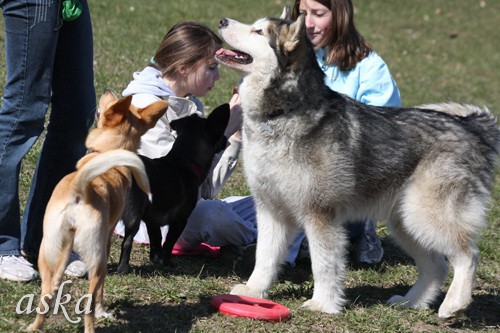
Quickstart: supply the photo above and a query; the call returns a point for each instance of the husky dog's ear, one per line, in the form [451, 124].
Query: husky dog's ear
[286, 14]
[294, 34]
[151, 113]
[114, 114]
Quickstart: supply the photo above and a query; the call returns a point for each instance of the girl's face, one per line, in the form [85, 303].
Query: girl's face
[201, 80]
[318, 19]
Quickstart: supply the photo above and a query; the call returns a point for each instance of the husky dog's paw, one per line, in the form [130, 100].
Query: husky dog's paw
[399, 300]
[244, 290]
[405, 302]
[446, 313]
[322, 307]
[450, 310]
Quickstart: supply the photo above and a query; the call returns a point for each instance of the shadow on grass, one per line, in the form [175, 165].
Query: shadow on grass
[196, 266]
[480, 314]
[224, 265]
[155, 317]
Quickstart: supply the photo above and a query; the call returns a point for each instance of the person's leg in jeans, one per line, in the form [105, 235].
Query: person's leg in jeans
[30, 43]
[32, 31]
[72, 113]
[219, 223]
[366, 245]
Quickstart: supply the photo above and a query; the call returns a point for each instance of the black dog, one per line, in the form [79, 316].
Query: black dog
[175, 179]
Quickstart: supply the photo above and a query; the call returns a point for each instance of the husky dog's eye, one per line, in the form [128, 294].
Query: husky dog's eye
[258, 31]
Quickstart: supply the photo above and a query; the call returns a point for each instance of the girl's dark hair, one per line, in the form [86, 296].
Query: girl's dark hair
[186, 44]
[344, 45]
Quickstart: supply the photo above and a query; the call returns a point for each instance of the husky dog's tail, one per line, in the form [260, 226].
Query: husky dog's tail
[456, 109]
[485, 121]
[111, 159]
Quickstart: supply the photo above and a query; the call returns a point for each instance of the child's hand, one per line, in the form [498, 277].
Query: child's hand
[236, 116]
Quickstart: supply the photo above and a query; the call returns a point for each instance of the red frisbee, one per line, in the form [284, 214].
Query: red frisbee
[249, 307]
[202, 249]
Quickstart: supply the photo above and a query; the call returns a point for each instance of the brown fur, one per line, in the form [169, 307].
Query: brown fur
[83, 210]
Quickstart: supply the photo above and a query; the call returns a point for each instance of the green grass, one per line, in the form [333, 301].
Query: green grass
[437, 51]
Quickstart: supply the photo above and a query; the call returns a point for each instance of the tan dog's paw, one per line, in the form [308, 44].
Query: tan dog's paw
[100, 312]
[244, 290]
[30, 328]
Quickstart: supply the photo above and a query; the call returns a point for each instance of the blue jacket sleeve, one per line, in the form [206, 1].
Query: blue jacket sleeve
[377, 86]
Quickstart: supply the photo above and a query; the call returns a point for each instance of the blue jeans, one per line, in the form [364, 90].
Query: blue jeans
[220, 223]
[48, 61]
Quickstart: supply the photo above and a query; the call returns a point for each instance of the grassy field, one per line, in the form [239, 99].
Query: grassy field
[437, 51]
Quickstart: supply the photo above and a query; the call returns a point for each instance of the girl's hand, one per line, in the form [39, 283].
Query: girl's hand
[236, 116]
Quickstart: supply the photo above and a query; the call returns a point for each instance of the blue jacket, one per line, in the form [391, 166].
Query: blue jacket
[369, 81]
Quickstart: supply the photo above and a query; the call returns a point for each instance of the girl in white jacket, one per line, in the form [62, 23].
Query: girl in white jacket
[182, 69]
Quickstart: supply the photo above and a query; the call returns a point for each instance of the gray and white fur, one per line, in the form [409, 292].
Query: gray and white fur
[314, 159]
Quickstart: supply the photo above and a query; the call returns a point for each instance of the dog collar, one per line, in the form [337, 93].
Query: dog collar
[265, 128]
[278, 112]
[275, 113]
[195, 167]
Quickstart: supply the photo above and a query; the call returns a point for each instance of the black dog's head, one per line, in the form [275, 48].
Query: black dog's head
[199, 139]
[211, 128]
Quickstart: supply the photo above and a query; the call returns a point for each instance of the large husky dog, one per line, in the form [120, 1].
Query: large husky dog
[314, 158]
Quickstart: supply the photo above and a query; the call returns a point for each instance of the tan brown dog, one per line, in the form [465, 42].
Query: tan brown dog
[86, 205]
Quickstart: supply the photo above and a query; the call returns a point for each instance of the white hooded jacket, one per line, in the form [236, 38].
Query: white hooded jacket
[147, 87]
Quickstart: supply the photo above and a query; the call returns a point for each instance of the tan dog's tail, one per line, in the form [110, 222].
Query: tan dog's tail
[111, 159]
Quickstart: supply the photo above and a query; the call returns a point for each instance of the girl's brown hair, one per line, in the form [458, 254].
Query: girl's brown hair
[186, 44]
[344, 45]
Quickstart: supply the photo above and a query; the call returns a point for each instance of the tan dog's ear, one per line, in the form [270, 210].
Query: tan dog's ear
[115, 113]
[106, 99]
[151, 113]
[294, 34]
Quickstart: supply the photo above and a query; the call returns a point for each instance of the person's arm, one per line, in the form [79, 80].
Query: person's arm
[225, 162]
[157, 141]
[377, 86]
[223, 166]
